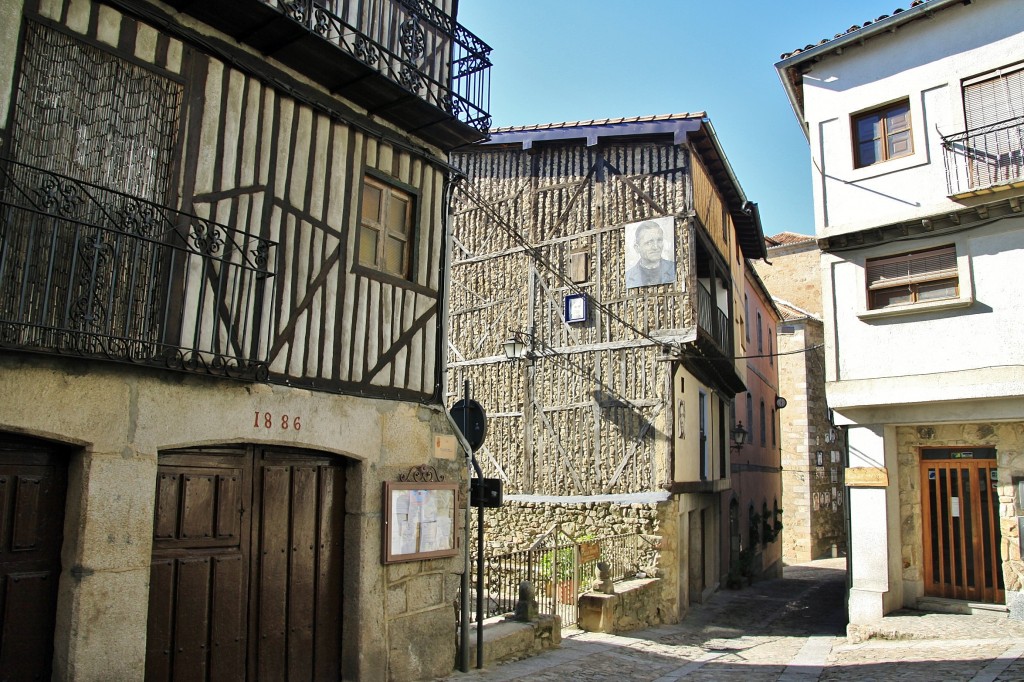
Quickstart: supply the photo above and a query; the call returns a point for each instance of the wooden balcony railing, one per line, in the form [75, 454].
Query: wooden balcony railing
[978, 160]
[91, 272]
[712, 320]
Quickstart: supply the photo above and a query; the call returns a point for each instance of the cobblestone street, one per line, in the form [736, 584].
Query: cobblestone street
[793, 629]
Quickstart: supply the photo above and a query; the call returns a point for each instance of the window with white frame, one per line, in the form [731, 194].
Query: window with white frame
[703, 423]
[762, 425]
[914, 277]
[760, 335]
[750, 418]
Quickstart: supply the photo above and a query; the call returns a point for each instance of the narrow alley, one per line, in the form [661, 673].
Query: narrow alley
[792, 629]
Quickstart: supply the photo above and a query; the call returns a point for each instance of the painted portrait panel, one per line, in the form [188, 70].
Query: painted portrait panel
[650, 252]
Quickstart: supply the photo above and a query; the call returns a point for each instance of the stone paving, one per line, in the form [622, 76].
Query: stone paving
[789, 630]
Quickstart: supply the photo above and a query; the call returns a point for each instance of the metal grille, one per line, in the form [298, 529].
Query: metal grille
[560, 569]
[92, 272]
[88, 114]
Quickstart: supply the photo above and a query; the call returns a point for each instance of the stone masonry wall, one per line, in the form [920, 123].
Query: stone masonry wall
[812, 494]
[517, 525]
[794, 275]
[1008, 440]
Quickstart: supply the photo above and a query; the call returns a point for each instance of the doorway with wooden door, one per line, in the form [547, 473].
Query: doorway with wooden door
[246, 577]
[960, 514]
[33, 489]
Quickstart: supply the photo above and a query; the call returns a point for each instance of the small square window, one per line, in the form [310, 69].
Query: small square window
[882, 134]
[386, 228]
[915, 277]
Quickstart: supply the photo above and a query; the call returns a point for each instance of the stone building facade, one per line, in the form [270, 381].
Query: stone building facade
[616, 420]
[813, 449]
[211, 365]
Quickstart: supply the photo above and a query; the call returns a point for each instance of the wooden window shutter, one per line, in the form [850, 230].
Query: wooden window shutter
[908, 268]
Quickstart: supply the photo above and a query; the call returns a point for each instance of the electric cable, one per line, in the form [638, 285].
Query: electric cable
[470, 193]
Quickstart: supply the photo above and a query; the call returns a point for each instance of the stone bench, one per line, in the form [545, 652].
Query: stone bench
[634, 605]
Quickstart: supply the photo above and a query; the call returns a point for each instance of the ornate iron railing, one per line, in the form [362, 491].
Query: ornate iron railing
[92, 272]
[412, 42]
[983, 157]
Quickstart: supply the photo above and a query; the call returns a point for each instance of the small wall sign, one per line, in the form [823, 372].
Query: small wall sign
[866, 477]
[576, 308]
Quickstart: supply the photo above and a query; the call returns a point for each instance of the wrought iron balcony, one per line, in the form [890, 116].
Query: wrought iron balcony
[404, 60]
[986, 159]
[90, 272]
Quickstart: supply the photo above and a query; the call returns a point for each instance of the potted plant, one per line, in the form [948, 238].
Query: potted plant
[556, 570]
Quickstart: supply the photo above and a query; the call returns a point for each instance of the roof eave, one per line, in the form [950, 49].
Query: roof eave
[789, 68]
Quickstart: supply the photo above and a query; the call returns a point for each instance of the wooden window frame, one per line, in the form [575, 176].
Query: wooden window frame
[388, 188]
[882, 113]
[924, 267]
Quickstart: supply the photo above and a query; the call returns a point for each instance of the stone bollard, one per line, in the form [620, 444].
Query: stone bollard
[526, 605]
[602, 579]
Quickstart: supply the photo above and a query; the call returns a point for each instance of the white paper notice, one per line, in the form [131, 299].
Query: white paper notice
[954, 506]
[403, 532]
[422, 521]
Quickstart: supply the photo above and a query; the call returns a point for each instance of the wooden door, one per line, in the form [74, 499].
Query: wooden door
[960, 510]
[33, 487]
[247, 564]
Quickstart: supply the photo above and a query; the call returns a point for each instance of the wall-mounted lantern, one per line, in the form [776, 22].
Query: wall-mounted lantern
[739, 435]
[519, 346]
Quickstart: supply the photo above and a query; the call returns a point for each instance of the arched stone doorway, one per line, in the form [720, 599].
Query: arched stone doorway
[247, 565]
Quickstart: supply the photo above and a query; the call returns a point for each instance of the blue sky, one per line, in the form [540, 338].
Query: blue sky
[572, 60]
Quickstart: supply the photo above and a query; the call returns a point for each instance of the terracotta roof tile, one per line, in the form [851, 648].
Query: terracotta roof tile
[793, 312]
[855, 27]
[602, 122]
[785, 238]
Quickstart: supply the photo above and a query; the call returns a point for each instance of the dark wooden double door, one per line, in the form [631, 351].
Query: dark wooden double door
[246, 578]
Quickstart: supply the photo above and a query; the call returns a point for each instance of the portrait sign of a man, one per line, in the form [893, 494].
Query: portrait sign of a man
[650, 252]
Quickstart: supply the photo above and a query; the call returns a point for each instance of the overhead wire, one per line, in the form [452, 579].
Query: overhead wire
[535, 253]
[546, 264]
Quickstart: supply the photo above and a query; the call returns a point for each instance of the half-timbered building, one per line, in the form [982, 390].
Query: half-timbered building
[222, 267]
[618, 418]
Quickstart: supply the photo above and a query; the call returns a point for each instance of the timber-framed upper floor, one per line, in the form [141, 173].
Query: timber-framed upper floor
[165, 203]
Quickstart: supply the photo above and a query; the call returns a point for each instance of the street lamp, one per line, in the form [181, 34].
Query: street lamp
[514, 348]
[739, 435]
[519, 346]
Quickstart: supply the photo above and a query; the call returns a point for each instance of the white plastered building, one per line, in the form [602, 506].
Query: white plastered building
[915, 123]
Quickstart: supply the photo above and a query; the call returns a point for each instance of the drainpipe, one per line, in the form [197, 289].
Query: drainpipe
[451, 180]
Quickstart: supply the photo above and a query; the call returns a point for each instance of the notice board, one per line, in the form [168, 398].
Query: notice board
[419, 521]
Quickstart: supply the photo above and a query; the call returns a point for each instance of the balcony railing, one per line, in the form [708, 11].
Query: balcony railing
[980, 159]
[90, 272]
[412, 42]
[711, 319]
